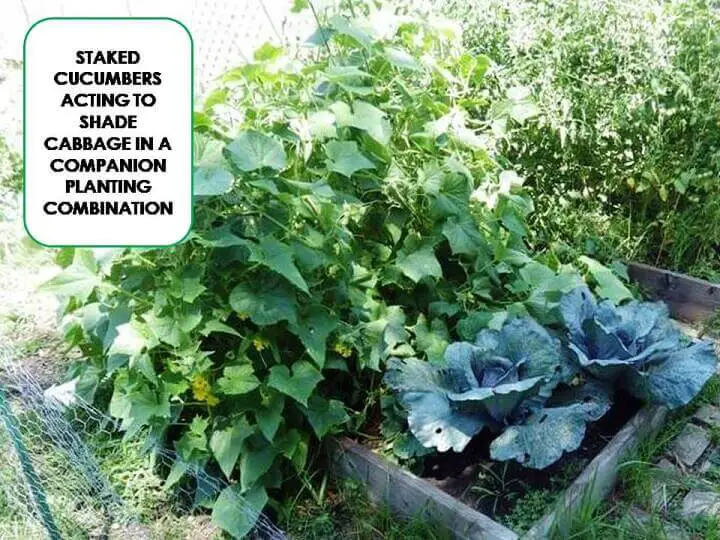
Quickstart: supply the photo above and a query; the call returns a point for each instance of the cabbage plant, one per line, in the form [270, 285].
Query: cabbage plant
[636, 346]
[497, 380]
[539, 392]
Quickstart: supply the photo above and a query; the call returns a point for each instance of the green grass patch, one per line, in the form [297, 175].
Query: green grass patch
[344, 511]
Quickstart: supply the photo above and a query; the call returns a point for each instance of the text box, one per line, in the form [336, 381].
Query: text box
[108, 131]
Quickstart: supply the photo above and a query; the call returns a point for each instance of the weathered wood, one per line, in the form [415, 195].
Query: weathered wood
[598, 479]
[689, 299]
[410, 496]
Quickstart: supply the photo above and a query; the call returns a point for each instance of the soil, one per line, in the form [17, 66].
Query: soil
[493, 488]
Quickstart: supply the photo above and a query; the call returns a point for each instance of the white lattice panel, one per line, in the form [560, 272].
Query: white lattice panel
[225, 32]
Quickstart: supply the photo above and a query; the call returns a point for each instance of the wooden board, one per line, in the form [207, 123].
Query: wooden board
[689, 299]
[411, 496]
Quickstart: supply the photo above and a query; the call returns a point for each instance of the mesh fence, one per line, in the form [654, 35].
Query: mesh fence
[64, 471]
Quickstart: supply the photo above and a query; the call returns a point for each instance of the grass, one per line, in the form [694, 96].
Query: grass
[324, 512]
[614, 518]
[344, 511]
[72, 490]
[74, 509]
[508, 498]
[529, 508]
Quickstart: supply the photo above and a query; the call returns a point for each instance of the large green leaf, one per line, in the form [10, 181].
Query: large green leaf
[208, 181]
[345, 158]
[677, 380]
[278, 257]
[419, 264]
[144, 364]
[324, 415]
[450, 192]
[76, 280]
[300, 384]
[192, 446]
[366, 117]
[174, 328]
[293, 445]
[402, 59]
[189, 285]
[236, 513]
[238, 380]
[226, 444]
[210, 175]
[214, 326]
[463, 235]
[548, 433]
[358, 29]
[137, 405]
[268, 414]
[608, 284]
[265, 303]
[432, 339]
[129, 341]
[255, 460]
[313, 330]
[252, 150]
[267, 52]
[322, 125]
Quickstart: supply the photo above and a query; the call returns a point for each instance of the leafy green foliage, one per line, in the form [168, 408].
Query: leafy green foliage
[10, 168]
[622, 155]
[345, 511]
[340, 223]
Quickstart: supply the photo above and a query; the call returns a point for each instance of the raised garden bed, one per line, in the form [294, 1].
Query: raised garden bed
[442, 491]
[689, 299]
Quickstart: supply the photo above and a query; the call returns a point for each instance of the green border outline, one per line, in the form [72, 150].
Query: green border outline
[192, 130]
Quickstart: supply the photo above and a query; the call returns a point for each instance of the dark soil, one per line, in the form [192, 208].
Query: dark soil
[493, 487]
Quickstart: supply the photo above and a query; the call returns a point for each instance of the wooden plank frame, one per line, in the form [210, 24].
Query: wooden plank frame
[411, 496]
[408, 495]
[689, 299]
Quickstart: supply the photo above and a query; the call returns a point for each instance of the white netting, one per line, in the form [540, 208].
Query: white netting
[225, 33]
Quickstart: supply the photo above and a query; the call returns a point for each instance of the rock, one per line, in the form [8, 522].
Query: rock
[708, 415]
[701, 503]
[689, 445]
[665, 484]
[713, 460]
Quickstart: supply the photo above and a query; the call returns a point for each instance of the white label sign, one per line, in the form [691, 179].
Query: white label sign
[108, 132]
